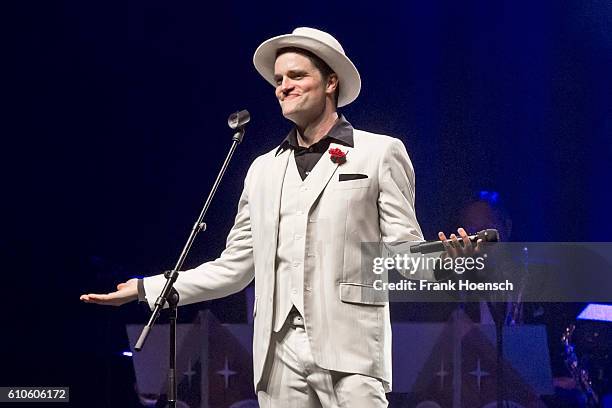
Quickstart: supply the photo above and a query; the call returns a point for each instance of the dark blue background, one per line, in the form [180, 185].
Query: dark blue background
[114, 126]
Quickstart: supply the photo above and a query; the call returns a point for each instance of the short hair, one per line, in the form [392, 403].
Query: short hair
[319, 64]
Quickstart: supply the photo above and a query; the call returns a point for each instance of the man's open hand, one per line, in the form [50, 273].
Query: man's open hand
[459, 246]
[126, 292]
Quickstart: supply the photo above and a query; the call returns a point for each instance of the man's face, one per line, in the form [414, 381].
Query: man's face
[300, 88]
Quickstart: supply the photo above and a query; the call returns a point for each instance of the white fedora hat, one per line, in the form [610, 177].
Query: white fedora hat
[323, 46]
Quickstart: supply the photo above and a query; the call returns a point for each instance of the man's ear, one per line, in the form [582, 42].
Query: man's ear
[332, 83]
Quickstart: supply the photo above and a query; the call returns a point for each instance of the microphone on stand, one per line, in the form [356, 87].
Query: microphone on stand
[238, 121]
[488, 235]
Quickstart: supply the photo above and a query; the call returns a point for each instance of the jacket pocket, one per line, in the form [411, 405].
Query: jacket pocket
[349, 184]
[351, 176]
[363, 294]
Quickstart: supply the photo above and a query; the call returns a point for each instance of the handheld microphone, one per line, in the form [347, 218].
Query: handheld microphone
[488, 235]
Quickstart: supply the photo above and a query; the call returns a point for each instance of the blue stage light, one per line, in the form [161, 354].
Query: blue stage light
[596, 311]
[489, 196]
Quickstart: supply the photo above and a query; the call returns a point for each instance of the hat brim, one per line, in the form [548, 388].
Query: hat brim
[348, 76]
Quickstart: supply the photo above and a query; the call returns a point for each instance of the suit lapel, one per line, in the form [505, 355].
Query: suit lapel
[318, 179]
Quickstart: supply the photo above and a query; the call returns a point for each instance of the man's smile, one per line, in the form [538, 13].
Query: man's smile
[290, 97]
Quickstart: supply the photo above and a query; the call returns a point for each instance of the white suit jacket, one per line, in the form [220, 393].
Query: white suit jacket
[347, 332]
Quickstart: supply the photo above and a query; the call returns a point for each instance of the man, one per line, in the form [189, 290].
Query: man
[306, 207]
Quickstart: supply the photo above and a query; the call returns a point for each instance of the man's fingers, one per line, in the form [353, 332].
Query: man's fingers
[101, 299]
[94, 296]
[464, 236]
[447, 244]
[88, 298]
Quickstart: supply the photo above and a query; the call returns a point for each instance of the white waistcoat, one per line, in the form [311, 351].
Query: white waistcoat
[289, 288]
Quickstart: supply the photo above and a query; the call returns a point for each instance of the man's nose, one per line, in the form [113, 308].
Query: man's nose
[286, 84]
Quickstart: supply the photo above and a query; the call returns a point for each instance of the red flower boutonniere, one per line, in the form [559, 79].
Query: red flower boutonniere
[337, 156]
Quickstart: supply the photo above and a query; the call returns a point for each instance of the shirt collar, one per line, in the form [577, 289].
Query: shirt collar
[341, 132]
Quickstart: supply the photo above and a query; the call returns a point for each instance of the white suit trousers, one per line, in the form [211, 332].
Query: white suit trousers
[293, 380]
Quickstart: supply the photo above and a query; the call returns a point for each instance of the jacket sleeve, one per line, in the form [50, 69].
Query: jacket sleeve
[396, 207]
[397, 213]
[231, 272]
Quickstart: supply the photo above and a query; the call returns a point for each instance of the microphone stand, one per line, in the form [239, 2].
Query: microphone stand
[498, 318]
[498, 309]
[168, 294]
